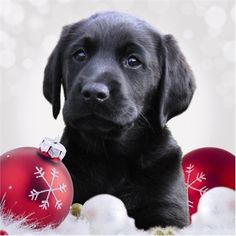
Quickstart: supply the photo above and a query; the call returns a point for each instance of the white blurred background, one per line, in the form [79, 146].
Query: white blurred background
[205, 30]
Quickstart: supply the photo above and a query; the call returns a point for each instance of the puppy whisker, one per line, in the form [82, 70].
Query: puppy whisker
[144, 118]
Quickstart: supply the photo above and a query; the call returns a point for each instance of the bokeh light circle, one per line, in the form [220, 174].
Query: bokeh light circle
[215, 17]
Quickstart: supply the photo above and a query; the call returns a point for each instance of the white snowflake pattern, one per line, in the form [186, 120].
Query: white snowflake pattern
[190, 185]
[51, 190]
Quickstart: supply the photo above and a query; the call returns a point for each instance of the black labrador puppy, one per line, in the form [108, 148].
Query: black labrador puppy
[122, 80]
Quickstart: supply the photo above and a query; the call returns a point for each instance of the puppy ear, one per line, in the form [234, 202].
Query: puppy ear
[53, 74]
[177, 83]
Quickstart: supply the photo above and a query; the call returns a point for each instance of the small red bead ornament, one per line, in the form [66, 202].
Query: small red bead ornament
[3, 232]
[204, 169]
[35, 184]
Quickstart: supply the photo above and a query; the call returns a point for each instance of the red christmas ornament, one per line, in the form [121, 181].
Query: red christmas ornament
[36, 184]
[204, 169]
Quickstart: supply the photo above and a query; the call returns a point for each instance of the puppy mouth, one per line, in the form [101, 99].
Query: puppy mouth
[99, 126]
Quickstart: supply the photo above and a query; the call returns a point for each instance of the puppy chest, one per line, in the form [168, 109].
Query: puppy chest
[93, 178]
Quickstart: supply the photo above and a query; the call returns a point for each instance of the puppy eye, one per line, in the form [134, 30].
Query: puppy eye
[79, 55]
[133, 62]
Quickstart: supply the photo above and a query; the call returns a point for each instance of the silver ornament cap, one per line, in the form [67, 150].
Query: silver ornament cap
[52, 148]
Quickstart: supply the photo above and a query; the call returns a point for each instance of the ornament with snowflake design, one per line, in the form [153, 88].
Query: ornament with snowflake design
[192, 183]
[35, 186]
[204, 169]
[50, 191]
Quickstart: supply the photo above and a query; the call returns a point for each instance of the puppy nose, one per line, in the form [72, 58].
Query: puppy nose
[95, 91]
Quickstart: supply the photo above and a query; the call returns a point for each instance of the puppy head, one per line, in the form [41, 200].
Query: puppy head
[114, 68]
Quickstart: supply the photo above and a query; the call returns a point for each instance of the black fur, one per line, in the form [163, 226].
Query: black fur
[122, 146]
